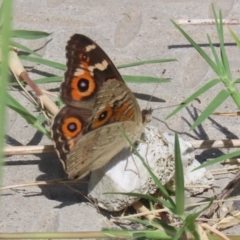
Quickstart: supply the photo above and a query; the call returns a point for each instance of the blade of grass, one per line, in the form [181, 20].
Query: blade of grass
[191, 218]
[31, 119]
[203, 89]
[151, 235]
[49, 80]
[191, 226]
[144, 79]
[179, 178]
[110, 233]
[216, 102]
[1, 11]
[171, 230]
[198, 48]
[5, 41]
[44, 62]
[26, 34]
[219, 63]
[22, 47]
[219, 26]
[138, 220]
[146, 62]
[179, 233]
[218, 159]
[42, 80]
[234, 36]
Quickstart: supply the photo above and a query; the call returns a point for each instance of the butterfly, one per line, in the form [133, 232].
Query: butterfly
[98, 104]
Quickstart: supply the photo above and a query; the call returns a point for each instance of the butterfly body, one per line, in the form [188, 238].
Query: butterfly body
[87, 130]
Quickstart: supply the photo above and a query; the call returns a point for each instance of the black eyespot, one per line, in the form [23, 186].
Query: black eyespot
[83, 85]
[84, 57]
[102, 116]
[72, 127]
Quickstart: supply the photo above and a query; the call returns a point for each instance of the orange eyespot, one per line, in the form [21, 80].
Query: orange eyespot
[71, 127]
[102, 117]
[82, 86]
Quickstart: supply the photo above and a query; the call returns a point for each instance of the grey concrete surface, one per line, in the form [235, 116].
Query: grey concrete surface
[128, 31]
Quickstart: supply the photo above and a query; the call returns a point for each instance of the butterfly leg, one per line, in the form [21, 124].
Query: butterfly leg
[125, 168]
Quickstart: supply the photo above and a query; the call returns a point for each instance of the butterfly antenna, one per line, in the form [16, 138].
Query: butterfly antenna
[175, 105]
[163, 72]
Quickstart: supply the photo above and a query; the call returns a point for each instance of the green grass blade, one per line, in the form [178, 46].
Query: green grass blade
[44, 62]
[191, 218]
[146, 62]
[203, 89]
[49, 80]
[151, 235]
[31, 119]
[198, 48]
[219, 63]
[140, 221]
[1, 13]
[136, 234]
[219, 27]
[179, 233]
[26, 34]
[4, 75]
[42, 80]
[168, 228]
[144, 79]
[234, 36]
[218, 159]
[179, 178]
[22, 47]
[237, 80]
[216, 102]
[191, 226]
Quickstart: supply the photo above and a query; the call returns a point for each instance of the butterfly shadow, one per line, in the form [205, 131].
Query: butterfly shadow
[52, 170]
[199, 133]
[58, 188]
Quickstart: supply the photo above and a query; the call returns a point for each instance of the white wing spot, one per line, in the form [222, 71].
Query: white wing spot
[101, 66]
[78, 72]
[90, 47]
[91, 68]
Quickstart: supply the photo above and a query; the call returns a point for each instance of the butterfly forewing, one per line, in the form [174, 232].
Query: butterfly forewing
[88, 67]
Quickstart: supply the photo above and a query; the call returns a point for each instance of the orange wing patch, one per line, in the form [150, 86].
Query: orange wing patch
[82, 86]
[71, 127]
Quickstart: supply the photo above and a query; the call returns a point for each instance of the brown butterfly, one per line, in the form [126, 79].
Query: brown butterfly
[86, 131]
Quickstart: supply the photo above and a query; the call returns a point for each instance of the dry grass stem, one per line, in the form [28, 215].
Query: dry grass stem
[200, 144]
[228, 222]
[223, 236]
[227, 114]
[206, 21]
[45, 183]
[24, 150]
[223, 195]
[140, 208]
